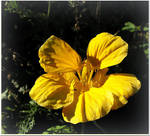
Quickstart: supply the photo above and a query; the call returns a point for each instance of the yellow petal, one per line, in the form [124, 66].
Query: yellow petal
[74, 113]
[106, 50]
[69, 77]
[57, 56]
[122, 86]
[88, 106]
[50, 91]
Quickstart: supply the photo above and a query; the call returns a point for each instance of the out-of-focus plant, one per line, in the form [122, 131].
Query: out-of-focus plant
[27, 120]
[25, 10]
[129, 26]
[22, 112]
[145, 47]
[139, 32]
[13, 7]
[60, 129]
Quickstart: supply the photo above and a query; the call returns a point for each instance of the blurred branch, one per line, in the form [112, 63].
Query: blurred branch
[98, 11]
[49, 7]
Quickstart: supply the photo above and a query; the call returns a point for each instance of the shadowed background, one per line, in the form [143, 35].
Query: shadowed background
[26, 26]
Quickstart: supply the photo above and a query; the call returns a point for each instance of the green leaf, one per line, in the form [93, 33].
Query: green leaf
[23, 89]
[26, 125]
[145, 28]
[15, 83]
[3, 129]
[4, 95]
[144, 45]
[129, 26]
[9, 108]
[59, 129]
[146, 51]
[27, 117]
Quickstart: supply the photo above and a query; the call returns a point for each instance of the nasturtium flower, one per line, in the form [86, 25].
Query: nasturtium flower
[83, 89]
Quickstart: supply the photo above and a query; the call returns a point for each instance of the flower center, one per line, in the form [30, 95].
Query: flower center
[83, 87]
[89, 77]
[85, 77]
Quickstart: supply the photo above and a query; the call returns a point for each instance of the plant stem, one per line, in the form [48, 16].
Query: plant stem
[48, 10]
[78, 72]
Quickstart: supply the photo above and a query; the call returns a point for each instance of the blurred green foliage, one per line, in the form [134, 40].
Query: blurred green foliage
[23, 10]
[13, 7]
[142, 31]
[25, 27]
[129, 26]
[27, 120]
[64, 129]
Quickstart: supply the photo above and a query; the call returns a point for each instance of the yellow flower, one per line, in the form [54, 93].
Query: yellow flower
[82, 88]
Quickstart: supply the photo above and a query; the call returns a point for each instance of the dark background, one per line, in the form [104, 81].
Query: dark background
[26, 26]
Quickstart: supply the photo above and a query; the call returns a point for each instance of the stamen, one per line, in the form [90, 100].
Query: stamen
[78, 72]
[91, 74]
